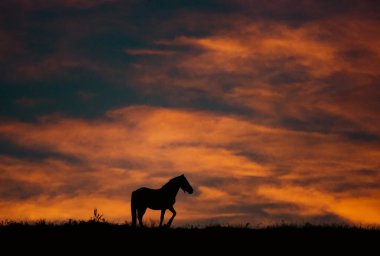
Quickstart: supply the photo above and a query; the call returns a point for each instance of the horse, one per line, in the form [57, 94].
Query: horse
[158, 199]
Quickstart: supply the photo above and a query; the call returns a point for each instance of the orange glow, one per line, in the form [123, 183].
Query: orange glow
[61, 209]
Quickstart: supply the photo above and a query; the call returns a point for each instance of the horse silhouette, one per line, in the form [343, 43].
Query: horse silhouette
[158, 199]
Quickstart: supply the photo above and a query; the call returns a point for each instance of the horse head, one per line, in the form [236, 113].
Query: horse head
[185, 185]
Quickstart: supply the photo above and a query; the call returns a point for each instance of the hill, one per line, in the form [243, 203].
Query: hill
[101, 237]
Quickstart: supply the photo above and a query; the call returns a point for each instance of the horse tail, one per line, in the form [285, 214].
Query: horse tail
[133, 209]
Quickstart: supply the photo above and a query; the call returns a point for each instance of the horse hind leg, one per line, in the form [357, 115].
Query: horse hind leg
[140, 214]
[162, 216]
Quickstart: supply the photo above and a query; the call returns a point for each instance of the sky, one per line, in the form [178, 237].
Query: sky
[269, 108]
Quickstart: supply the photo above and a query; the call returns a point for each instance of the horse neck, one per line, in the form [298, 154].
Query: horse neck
[171, 189]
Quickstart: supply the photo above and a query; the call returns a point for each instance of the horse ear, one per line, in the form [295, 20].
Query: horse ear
[183, 175]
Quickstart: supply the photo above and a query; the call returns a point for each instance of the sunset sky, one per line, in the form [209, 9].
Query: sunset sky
[270, 109]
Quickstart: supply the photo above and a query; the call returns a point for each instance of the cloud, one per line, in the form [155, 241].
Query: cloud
[18, 190]
[133, 145]
[124, 129]
[82, 4]
[148, 52]
[28, 102]
[301, 77]
[258, 103]
[356, 209]
[52, 66]
[145, 146]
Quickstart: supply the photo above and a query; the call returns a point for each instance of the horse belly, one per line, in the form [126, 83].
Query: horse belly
[159, 202]
[156, 207]
[154, 199]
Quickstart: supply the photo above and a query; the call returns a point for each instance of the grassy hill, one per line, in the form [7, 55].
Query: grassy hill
[91, 237]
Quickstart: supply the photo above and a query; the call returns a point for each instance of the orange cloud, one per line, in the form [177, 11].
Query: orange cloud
[145, 146]
[267, 120]
[280, 72]
[360, 210]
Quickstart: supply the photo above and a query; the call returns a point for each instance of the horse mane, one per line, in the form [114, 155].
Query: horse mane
[169, 183]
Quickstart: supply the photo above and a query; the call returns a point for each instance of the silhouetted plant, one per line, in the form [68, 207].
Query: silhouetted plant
[97, 218]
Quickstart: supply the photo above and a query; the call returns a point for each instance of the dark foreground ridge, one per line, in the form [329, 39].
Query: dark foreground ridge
[95, 237]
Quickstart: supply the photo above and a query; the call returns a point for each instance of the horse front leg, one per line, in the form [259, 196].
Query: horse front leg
[172, 218]
[162, 216]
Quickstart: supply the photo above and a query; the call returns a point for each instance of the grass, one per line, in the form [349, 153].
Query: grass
[96, 234]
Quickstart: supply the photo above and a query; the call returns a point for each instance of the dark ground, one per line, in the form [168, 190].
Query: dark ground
[111, 239]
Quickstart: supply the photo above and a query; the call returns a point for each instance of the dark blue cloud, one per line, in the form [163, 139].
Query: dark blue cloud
[10, 149]
[11, 189]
